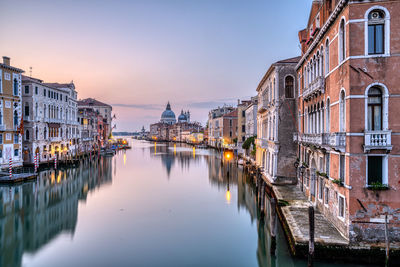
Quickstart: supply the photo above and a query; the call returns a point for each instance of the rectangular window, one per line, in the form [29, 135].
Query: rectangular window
[243, 128]
[1, 138]
[376, 39]
[341, 207]
[326, 196]
[26, 109]
[320, 188]
[375, 170]
[327, 157]
[26, 89]
[243, 113]
[36, 90]
[342, 168]
[230, 123]
[44, 92]
[16, 138]
[16, 153]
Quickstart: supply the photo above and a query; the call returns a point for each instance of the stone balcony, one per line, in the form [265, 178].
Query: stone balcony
[377, 140]
[262, 142]
[262, 105]
[315, 87]
[336, 141]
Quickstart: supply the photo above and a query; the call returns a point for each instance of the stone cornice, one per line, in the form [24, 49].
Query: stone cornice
[329, 22]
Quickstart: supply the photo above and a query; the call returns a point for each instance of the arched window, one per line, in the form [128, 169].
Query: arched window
[289, 87]
[328, 115]
[376, 32]
[322, 62]
[16, 118]
[342, 112]
[322, 126]
[327, 57]
[1, 113]
[374, 109]
[27, 135]
[15, 86]
[342, 41]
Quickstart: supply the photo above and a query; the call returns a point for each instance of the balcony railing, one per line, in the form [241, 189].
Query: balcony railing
[338, 141]
[262, 105]
[318, 85]
[313, 139]
[261, 142]
[377, 140]
[335, 140]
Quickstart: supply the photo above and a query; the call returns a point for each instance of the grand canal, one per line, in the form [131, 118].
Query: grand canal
[153, 205]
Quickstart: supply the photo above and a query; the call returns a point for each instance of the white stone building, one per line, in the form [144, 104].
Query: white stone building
[50, 120]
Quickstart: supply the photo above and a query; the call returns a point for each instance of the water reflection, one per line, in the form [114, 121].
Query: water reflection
[32, 214]
[140, 214]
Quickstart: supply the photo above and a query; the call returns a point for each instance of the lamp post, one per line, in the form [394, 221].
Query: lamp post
[302, 169]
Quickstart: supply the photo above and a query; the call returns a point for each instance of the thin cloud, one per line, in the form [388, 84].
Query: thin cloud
[138, 106]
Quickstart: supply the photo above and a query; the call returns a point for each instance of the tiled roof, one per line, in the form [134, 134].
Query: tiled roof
[290, 60]
[30, 79]
[231, 114]
[4, 66]
[60, 85]
[92, 102]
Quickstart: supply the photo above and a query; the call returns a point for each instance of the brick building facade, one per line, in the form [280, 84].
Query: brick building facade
[348, 129]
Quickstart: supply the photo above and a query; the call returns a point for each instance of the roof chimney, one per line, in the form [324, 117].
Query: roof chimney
[6, 61]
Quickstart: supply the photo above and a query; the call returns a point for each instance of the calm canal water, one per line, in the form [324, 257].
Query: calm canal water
[153, 205]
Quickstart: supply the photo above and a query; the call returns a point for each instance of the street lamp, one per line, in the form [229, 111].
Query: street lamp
[302, 169]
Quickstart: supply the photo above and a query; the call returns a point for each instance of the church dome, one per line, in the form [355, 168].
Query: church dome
[182, 117]
[168, 116]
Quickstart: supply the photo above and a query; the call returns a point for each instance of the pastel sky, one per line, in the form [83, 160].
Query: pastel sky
[138, 54]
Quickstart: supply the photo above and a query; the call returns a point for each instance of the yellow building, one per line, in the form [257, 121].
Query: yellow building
[10, 114]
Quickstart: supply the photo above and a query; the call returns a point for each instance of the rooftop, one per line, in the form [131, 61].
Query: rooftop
[92, 102]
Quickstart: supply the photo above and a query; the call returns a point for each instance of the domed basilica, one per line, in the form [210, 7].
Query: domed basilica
[168, 116]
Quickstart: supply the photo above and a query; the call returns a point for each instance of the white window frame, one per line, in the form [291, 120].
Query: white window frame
[342, 50]
[387, 31]
[1, 81]
[326, 195]
[385, 170]
[342, 114]
[342, 218]
[385, 105]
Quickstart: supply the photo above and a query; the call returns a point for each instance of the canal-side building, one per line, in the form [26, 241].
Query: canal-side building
[50, 126]
[104, 110]
[276, 151]
[241, 114]
[70, 118]
[90, 130]
[215, 125]
[11, 125]
[251, 118]
[349, 130]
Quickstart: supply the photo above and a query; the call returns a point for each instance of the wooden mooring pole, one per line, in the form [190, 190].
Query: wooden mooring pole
[311, 235]
[273, 226]
[387, 241]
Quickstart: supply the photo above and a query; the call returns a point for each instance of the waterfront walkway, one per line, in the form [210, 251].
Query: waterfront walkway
[16, 177]
[296, 216]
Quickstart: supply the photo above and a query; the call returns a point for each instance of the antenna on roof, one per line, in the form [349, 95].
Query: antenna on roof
[30, 71]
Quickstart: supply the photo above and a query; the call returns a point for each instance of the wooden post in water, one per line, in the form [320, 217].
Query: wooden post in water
[387, 241]
[311, 235]
[273, 226]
